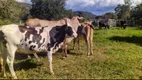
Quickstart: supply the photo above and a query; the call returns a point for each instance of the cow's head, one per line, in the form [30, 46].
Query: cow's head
[70, 31]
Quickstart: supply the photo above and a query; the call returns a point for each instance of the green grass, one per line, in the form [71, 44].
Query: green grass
[117, 55]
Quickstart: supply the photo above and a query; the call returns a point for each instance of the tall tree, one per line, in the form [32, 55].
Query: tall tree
[110, 15]
[136, 12]
[10, 9]
[123, 11]
[48, 9]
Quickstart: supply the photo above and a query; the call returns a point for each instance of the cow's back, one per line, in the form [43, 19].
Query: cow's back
[12, 33]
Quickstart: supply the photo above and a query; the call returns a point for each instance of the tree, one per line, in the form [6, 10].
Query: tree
[110, 15]
[136, 13]
[48, 9]
[123, 11]
[70, 13]
[10, 9]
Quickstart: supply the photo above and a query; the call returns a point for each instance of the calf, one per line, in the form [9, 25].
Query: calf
[36, 39]
[86, 30]
[74, 21]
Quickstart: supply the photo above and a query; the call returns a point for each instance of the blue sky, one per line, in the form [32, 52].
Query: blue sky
[97, 7]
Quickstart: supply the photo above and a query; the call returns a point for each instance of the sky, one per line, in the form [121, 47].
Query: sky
[97, 7]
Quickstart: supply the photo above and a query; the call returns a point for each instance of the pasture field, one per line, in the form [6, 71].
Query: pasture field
[117, 55]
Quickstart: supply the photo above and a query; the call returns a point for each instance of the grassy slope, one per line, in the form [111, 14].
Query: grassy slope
[117, 55]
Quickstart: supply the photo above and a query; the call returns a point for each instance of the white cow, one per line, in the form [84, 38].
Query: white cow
[36, 39]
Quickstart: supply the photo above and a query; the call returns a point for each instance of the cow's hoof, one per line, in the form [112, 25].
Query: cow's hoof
[89, 55]
[64, 57]
[52, 73]
[38, 60]
[29, 57]
[3, 75]
[14, 77]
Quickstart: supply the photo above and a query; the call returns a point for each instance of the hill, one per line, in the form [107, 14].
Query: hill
[87, 15]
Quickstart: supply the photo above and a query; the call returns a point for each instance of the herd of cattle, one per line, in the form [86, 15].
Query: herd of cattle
[37, 35]
[107, 23]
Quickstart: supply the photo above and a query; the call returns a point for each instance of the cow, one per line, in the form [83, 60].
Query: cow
[103, 23]
[107, 23]
[74, 22]
[112, 22]
[121, 23]
[35, 39]
[86, 30]
[36, 22]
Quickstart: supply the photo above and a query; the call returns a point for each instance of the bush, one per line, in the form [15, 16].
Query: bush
[5, 21]
[1, 22]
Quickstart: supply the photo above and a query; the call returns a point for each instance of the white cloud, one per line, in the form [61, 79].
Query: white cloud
[135, 2]
[87, 3]
[95, 5]
[98, 6]
[24, 1]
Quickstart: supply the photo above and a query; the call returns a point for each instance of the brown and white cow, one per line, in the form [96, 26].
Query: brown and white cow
[86, 30]
[36, 39]
[74, 22]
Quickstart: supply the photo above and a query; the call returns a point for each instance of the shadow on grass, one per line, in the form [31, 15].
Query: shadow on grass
[134, 39]
[70, 52]
[26, 65]
[21, 56]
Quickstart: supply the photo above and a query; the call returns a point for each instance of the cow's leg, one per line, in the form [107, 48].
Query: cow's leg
[74, 43]
[29, 57]
[86, 38]
[10, 59]
[78, 43]
[124, 27]
[36, 56]
[3, 62]
[49, 55]
[108, 27]
[64, 50]
[91, 41]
